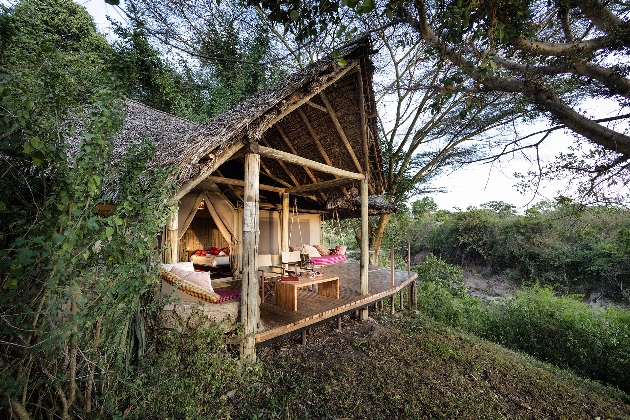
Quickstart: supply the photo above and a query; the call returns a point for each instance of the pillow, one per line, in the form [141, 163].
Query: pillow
[226, 250]
[311, 251]
[295, 248]
[322, 250]
[340, 250]
[179, 272]
[222, 254]
[201, 278]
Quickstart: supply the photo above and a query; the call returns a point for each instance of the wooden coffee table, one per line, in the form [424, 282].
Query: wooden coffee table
[286, 292]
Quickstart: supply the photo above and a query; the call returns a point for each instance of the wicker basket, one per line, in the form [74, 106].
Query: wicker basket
[189, 288]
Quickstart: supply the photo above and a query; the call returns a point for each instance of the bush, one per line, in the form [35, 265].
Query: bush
[187, 377]
[565, 332]
[559, 330]
[442, 294]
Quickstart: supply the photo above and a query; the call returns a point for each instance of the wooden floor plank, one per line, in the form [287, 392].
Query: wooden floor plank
[314, 308]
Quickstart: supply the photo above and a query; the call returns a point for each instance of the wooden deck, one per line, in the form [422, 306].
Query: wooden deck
[314, 309]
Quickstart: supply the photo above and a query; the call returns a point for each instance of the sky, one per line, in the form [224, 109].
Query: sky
[470, 186]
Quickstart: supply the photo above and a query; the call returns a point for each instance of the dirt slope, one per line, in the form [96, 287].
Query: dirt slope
[408, 367]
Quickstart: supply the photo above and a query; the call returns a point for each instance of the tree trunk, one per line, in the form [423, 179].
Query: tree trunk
[377, 239]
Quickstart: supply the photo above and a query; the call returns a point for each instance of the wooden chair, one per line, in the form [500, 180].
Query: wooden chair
[269, 275]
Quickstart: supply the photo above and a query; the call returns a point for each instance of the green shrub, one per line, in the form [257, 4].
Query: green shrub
[558, 330]
[442, 294]
[188, 376]
[565, 332]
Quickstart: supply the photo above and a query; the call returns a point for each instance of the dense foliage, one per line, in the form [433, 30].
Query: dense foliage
[559, 330]
[574, 248]
[76, 284]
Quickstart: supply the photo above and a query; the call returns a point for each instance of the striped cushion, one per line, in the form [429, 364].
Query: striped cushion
[328, 259]
[190, 288]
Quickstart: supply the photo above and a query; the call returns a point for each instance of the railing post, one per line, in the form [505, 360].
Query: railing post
[391, 262]
[408, 258]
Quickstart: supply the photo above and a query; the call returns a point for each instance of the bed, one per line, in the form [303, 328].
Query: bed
[210, 260]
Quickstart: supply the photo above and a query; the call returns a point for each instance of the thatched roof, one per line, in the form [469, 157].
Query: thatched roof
[350, 207]
[309, 130]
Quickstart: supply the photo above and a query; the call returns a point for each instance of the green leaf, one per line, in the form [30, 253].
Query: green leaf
[57, 238]
[38, 158]
[367, 6]
[294, 15]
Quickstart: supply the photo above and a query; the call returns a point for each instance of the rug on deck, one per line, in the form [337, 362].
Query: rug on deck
[226, 295]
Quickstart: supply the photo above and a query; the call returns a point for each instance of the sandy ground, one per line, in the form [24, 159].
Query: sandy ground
[489, 288]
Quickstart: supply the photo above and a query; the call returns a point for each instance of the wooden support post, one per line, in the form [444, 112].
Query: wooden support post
[303, 337]
[339, 323]
[250, 307]
[364, 245]
[408, 258]
[401, 299]
[393, 304]
[284, 240]
[410, 292]
[172, 239]
[415, 295]
[391, 262]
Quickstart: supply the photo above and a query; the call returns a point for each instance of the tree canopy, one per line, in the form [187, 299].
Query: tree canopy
[554, 55]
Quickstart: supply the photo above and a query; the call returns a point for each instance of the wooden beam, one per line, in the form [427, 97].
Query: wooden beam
[319, 186]
[342, 134]
[275, 178]
[224, 157]
[290, 146]
[314, 105]
[284, 167]
[250, 307]
[352, 65]
[298, 160]
[364, 136]
[309, 127]
[365, 256]
[321, 149]
[238, 182]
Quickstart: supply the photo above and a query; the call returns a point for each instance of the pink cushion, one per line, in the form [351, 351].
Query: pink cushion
[328, 259]
[201, 279]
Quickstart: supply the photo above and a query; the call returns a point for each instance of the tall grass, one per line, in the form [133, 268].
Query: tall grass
[558, 329]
